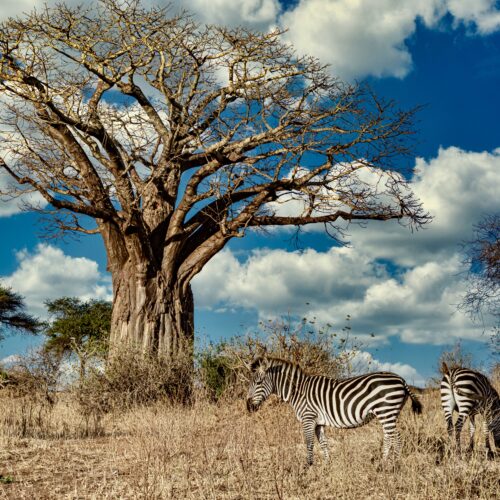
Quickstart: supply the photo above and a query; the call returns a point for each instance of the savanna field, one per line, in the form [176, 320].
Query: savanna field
[219, 451]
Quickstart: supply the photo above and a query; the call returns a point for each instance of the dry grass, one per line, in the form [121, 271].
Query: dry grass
[219, 451]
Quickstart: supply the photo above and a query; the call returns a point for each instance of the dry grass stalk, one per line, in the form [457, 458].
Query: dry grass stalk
[219, 451]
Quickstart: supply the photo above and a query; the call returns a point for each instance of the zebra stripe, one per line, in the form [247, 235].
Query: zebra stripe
[470, 393]
[320, 401]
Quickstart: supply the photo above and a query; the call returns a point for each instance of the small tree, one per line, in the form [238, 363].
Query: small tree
[483, 261]
[12, 314]
[79, 328]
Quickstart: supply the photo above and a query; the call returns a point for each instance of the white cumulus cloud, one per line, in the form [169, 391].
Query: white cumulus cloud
[364, 362]
[416, 299]
[11, 206]
[48, 273]
[418, 306]
[274, 281]
[10, 360]
[483, 15]
[457, 187]
[357, 37]
[256, 14]
[362, 37]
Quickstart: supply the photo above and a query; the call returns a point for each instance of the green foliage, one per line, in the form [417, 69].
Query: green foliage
[6, 479]
[216, 370]
[79, 328]
[12, 314]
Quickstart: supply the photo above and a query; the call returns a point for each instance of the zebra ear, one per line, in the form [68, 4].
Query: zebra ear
[259, 363]
[260, 358]
[255, 363]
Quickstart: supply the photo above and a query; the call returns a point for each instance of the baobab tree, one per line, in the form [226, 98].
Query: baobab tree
[170, 138]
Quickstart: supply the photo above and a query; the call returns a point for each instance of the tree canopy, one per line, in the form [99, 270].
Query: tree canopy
[169, 138]
[78, 327]
[12, 314]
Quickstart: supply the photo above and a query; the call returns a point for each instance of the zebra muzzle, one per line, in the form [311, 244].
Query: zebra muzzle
[250, 406]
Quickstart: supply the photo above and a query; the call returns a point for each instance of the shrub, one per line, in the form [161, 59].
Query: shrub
[215, 371]
[34, 382]
[457, 357]
[223, 368]
[132, 378]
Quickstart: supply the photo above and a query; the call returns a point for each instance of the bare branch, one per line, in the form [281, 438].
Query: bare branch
[482, 258]
[178, 137]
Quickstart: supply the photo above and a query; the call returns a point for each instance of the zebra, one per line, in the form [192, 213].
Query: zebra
[319, 401]
[470, 393]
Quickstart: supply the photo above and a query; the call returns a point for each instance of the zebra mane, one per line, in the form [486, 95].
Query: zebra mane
[275, 360]
[287, 362]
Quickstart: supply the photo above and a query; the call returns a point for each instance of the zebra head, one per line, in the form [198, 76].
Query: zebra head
[261, 384]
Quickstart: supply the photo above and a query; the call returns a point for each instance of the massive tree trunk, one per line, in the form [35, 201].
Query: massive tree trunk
[152, 314]
[153, 309]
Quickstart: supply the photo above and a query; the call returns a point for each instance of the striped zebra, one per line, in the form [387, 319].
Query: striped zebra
[320, 401]
[470, 393]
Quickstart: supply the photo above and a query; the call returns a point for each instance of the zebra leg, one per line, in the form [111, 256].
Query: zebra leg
[472, 430]
[458, 428]
[388, 440]
[396, 443]
[449, 423]
[320, 434]
[309, 427]
[391, 436]
[486, 430]
[392, 439]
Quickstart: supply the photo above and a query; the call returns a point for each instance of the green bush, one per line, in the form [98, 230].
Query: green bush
[215, 371]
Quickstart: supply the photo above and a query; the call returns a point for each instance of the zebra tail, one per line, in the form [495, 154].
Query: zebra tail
[416, 405]
[469, 395]
[457, 390]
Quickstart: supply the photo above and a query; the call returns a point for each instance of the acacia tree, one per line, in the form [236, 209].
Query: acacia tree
[169, 138]
[12, 314]
[78, 327]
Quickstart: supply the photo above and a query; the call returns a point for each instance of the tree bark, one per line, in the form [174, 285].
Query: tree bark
[152, 313]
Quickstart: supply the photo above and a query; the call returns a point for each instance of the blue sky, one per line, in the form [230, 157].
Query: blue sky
[444, 54]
